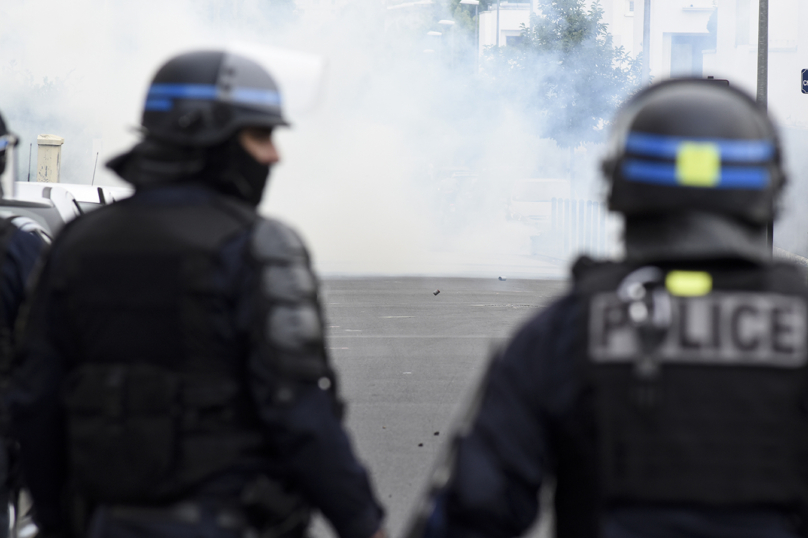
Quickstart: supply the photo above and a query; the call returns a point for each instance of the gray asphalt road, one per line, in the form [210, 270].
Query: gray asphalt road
[407, 361]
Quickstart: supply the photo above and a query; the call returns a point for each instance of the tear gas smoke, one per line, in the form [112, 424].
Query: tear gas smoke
[405, 167]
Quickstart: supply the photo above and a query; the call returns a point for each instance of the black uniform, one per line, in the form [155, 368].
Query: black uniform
[174, 352]
[173, 379]
[665, 395]
[20, 252]
[713, 444]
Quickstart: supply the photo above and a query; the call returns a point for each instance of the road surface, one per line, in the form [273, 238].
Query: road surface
[407, 359]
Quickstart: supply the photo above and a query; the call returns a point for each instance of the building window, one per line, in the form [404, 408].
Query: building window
[631, 6]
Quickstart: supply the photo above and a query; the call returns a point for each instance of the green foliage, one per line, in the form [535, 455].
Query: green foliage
[463, 16]
[567, 70]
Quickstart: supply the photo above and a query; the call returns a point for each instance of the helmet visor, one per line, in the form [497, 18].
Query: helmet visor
[300, 76]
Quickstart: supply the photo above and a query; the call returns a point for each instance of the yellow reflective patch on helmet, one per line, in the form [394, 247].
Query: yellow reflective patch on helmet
[698, 164]
[689, 283]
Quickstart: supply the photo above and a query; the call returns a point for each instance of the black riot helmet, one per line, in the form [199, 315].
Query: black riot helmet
[200, 99]
[689, 145]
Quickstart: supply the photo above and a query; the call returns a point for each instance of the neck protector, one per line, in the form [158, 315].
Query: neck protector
[228, 167]
[694, 237]
[233, 171]
[153, 163]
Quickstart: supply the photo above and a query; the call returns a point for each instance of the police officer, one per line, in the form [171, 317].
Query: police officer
[665, 395]
[173, 379]
[21, 244]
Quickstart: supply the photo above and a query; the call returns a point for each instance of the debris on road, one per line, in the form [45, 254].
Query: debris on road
[420, 444]
[502, 279]
[435, 292]
[437, 433]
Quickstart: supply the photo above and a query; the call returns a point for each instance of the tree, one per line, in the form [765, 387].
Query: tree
[567, 70]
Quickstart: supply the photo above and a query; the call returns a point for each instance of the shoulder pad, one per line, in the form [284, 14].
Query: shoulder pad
[28, 225]
[791, 273]
[581, 266]
[288, 282]
[274, 241]
[295, 327]
[590, 275]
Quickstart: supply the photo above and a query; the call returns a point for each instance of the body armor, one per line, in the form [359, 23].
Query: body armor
[158, 393]
[719, 418]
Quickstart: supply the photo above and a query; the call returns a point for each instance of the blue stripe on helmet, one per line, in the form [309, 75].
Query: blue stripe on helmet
[666, 147]
[253, 96]
[160, 96]
[3, 143]
[731, 177]
[159, 105]
[183, 91]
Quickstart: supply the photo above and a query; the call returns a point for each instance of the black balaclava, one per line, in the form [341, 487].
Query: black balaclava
[231, 170]
[694, 236]
[227, 168]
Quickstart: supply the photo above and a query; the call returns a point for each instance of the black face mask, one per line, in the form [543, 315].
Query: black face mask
[233, 171]
[228, 167]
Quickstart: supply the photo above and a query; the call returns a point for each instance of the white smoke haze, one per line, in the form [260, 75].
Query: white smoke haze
[364, 176]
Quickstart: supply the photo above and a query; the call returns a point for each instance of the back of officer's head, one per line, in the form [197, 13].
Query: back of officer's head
[196, 106]
[694, 151]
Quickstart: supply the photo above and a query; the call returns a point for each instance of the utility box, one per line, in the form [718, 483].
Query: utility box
[48, 158]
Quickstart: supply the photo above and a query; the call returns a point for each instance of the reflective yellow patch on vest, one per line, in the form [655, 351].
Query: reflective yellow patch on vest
[689, 283]
[698, 164]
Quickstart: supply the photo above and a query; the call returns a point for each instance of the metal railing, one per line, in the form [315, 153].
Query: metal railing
[577, 226]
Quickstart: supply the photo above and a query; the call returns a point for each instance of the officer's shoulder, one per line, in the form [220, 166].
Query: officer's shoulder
[11, 224]
[273, 240]
[786, 273]
[88, 221]
[595, 275]
[552, 320]
[23, 232]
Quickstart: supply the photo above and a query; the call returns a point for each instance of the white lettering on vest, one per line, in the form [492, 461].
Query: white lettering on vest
[738, 328]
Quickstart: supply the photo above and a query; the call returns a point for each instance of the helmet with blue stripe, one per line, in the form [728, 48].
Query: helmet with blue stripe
[200, 99]
[690, 145]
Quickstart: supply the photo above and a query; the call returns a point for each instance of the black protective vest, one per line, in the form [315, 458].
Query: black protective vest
[723, 421]
[7, 231]
[155, 394]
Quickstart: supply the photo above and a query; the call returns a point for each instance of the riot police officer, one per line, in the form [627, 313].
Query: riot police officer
[22, 242]
[173, 378]
[665, 395]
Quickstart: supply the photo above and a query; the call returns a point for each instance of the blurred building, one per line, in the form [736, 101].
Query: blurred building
[512, 16]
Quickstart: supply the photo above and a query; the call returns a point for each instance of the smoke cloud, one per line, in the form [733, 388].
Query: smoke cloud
[404, 167]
